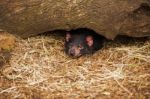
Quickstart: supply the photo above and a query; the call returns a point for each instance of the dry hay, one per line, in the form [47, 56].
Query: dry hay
[39, 69]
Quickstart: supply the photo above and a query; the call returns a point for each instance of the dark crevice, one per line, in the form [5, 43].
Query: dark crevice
[143, 9]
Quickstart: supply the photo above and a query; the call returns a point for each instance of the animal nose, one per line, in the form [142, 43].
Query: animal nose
[72, 52]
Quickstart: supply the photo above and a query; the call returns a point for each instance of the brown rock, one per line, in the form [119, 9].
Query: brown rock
[107, 17]
[7, 41]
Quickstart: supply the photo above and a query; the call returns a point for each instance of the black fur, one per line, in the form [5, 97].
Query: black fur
[78, 37]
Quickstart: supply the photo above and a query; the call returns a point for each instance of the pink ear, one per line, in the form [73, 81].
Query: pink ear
[89, 40]
[68, 36]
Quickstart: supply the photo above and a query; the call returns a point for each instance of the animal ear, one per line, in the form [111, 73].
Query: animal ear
[89, 40]
[68, 36]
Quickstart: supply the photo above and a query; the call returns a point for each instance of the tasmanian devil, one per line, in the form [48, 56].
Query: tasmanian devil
[82, 41]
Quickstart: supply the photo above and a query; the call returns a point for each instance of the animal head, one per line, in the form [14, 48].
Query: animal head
[78, 44]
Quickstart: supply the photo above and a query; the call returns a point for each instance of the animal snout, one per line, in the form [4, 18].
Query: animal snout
[72, 52]
[75, 52]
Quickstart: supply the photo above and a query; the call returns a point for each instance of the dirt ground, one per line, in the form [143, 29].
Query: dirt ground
[40, 69]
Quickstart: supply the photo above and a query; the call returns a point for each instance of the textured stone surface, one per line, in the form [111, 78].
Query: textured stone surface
[107, 17]
[7, 43]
